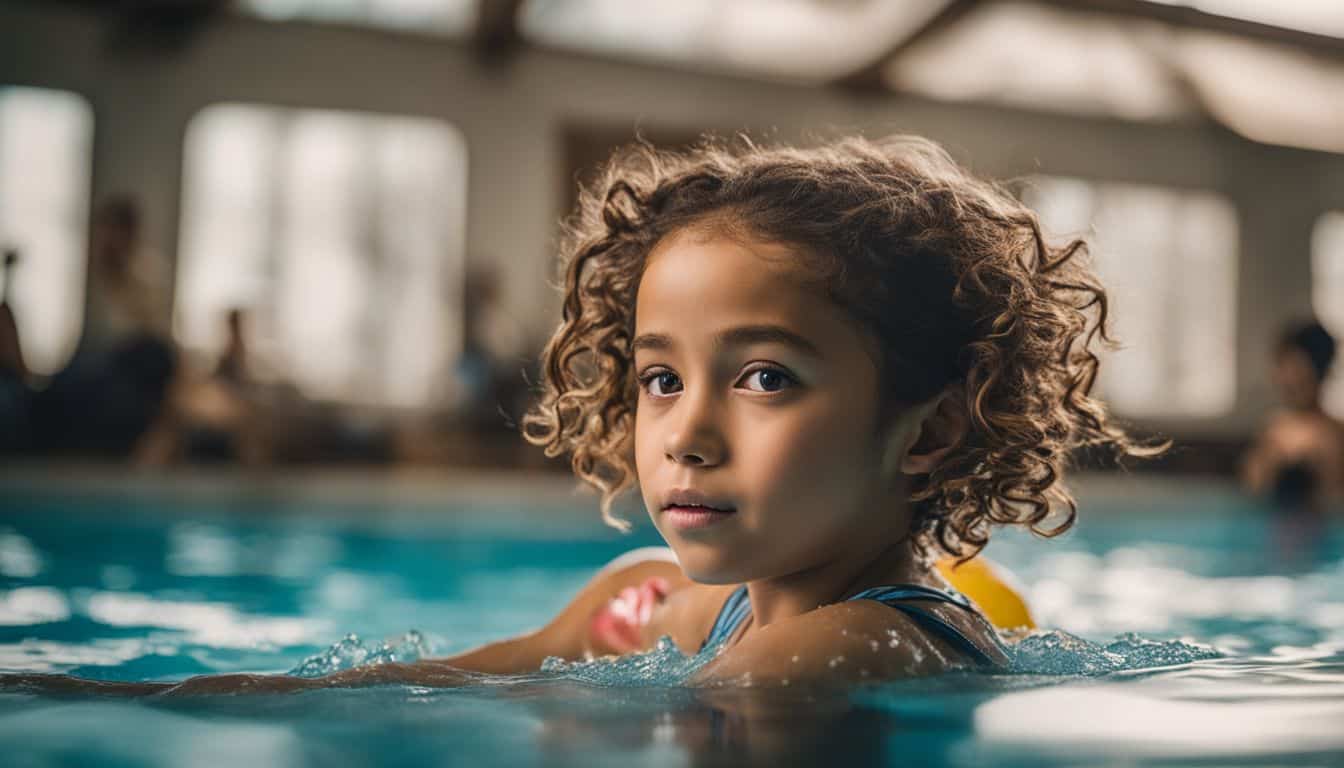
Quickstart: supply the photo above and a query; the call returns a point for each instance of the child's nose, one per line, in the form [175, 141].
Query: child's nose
[696, 440]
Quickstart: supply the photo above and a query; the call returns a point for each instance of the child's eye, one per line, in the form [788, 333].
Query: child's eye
[767, 380]
[660, 383]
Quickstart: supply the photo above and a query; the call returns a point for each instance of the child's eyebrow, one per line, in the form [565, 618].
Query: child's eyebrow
[736, 337]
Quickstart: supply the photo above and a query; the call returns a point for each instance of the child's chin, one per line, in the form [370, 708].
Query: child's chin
[701, 572]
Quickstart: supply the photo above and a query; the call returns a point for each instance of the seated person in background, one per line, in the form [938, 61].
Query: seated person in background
[1298, 459]
[215, 416]
[115, 385]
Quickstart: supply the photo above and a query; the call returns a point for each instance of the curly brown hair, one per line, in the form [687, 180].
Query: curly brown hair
[951, 274]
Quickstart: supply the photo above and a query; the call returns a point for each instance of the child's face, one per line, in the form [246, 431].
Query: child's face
[761, 396]
[1296, 379]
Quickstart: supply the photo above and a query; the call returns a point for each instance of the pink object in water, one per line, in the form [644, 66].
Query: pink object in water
[617, 627]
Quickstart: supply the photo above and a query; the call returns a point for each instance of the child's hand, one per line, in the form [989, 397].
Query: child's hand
[64, 685]
[618, 627]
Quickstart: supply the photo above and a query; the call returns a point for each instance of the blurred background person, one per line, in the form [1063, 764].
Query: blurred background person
[216, 416]
[485, 385]
[113, 388]
[1297, 460]
[127, 287]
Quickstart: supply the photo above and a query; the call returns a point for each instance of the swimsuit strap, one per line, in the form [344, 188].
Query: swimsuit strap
[914, 592]
[734, 611]
[896, 597]
[737, 608]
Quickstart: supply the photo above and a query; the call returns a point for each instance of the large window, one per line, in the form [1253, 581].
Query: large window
[1168, 259]
[341, 234]
[1327, 295]
[45, 142]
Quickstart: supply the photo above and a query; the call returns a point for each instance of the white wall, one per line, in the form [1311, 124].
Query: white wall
[513, 117]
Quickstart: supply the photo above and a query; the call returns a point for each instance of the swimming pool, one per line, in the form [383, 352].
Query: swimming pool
[151, 582]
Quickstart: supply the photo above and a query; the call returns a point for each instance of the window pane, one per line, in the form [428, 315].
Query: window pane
[1327, 295]
[450, 17]
[342, 234]
[45, 142]
[1168, 260]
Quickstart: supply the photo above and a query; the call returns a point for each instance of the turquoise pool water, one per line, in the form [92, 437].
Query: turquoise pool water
[146, 585]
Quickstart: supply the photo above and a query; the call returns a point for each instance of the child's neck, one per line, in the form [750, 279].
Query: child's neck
[783, 597]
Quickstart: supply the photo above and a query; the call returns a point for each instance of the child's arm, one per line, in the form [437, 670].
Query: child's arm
[566, 636]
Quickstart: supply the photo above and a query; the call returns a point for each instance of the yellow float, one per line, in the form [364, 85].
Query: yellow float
[990, 587]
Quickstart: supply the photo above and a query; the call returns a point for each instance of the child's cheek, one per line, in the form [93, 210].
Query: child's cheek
[805, 446]
[811, 461]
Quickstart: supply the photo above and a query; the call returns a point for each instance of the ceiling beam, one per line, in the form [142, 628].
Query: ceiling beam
[497, 36]
[1194, 19]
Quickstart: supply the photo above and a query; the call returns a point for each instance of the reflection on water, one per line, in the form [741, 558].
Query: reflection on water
[18, 559]
[33, 605]
[212, 624]
[1166, 717]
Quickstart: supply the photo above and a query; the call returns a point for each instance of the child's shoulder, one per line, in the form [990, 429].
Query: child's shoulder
[852, 641]
[844, 642]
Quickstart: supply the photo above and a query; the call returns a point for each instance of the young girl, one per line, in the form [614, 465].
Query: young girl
[823, 369]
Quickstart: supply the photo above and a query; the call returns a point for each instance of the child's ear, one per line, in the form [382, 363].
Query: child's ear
[943, 427]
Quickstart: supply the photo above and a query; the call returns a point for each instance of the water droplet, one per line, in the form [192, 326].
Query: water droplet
[663, 665]
[1060, 653]
[874, 645]
[795, 659]
[351, 652]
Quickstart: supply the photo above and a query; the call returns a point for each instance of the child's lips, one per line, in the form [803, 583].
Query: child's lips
[689, 518]
[617, 626]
